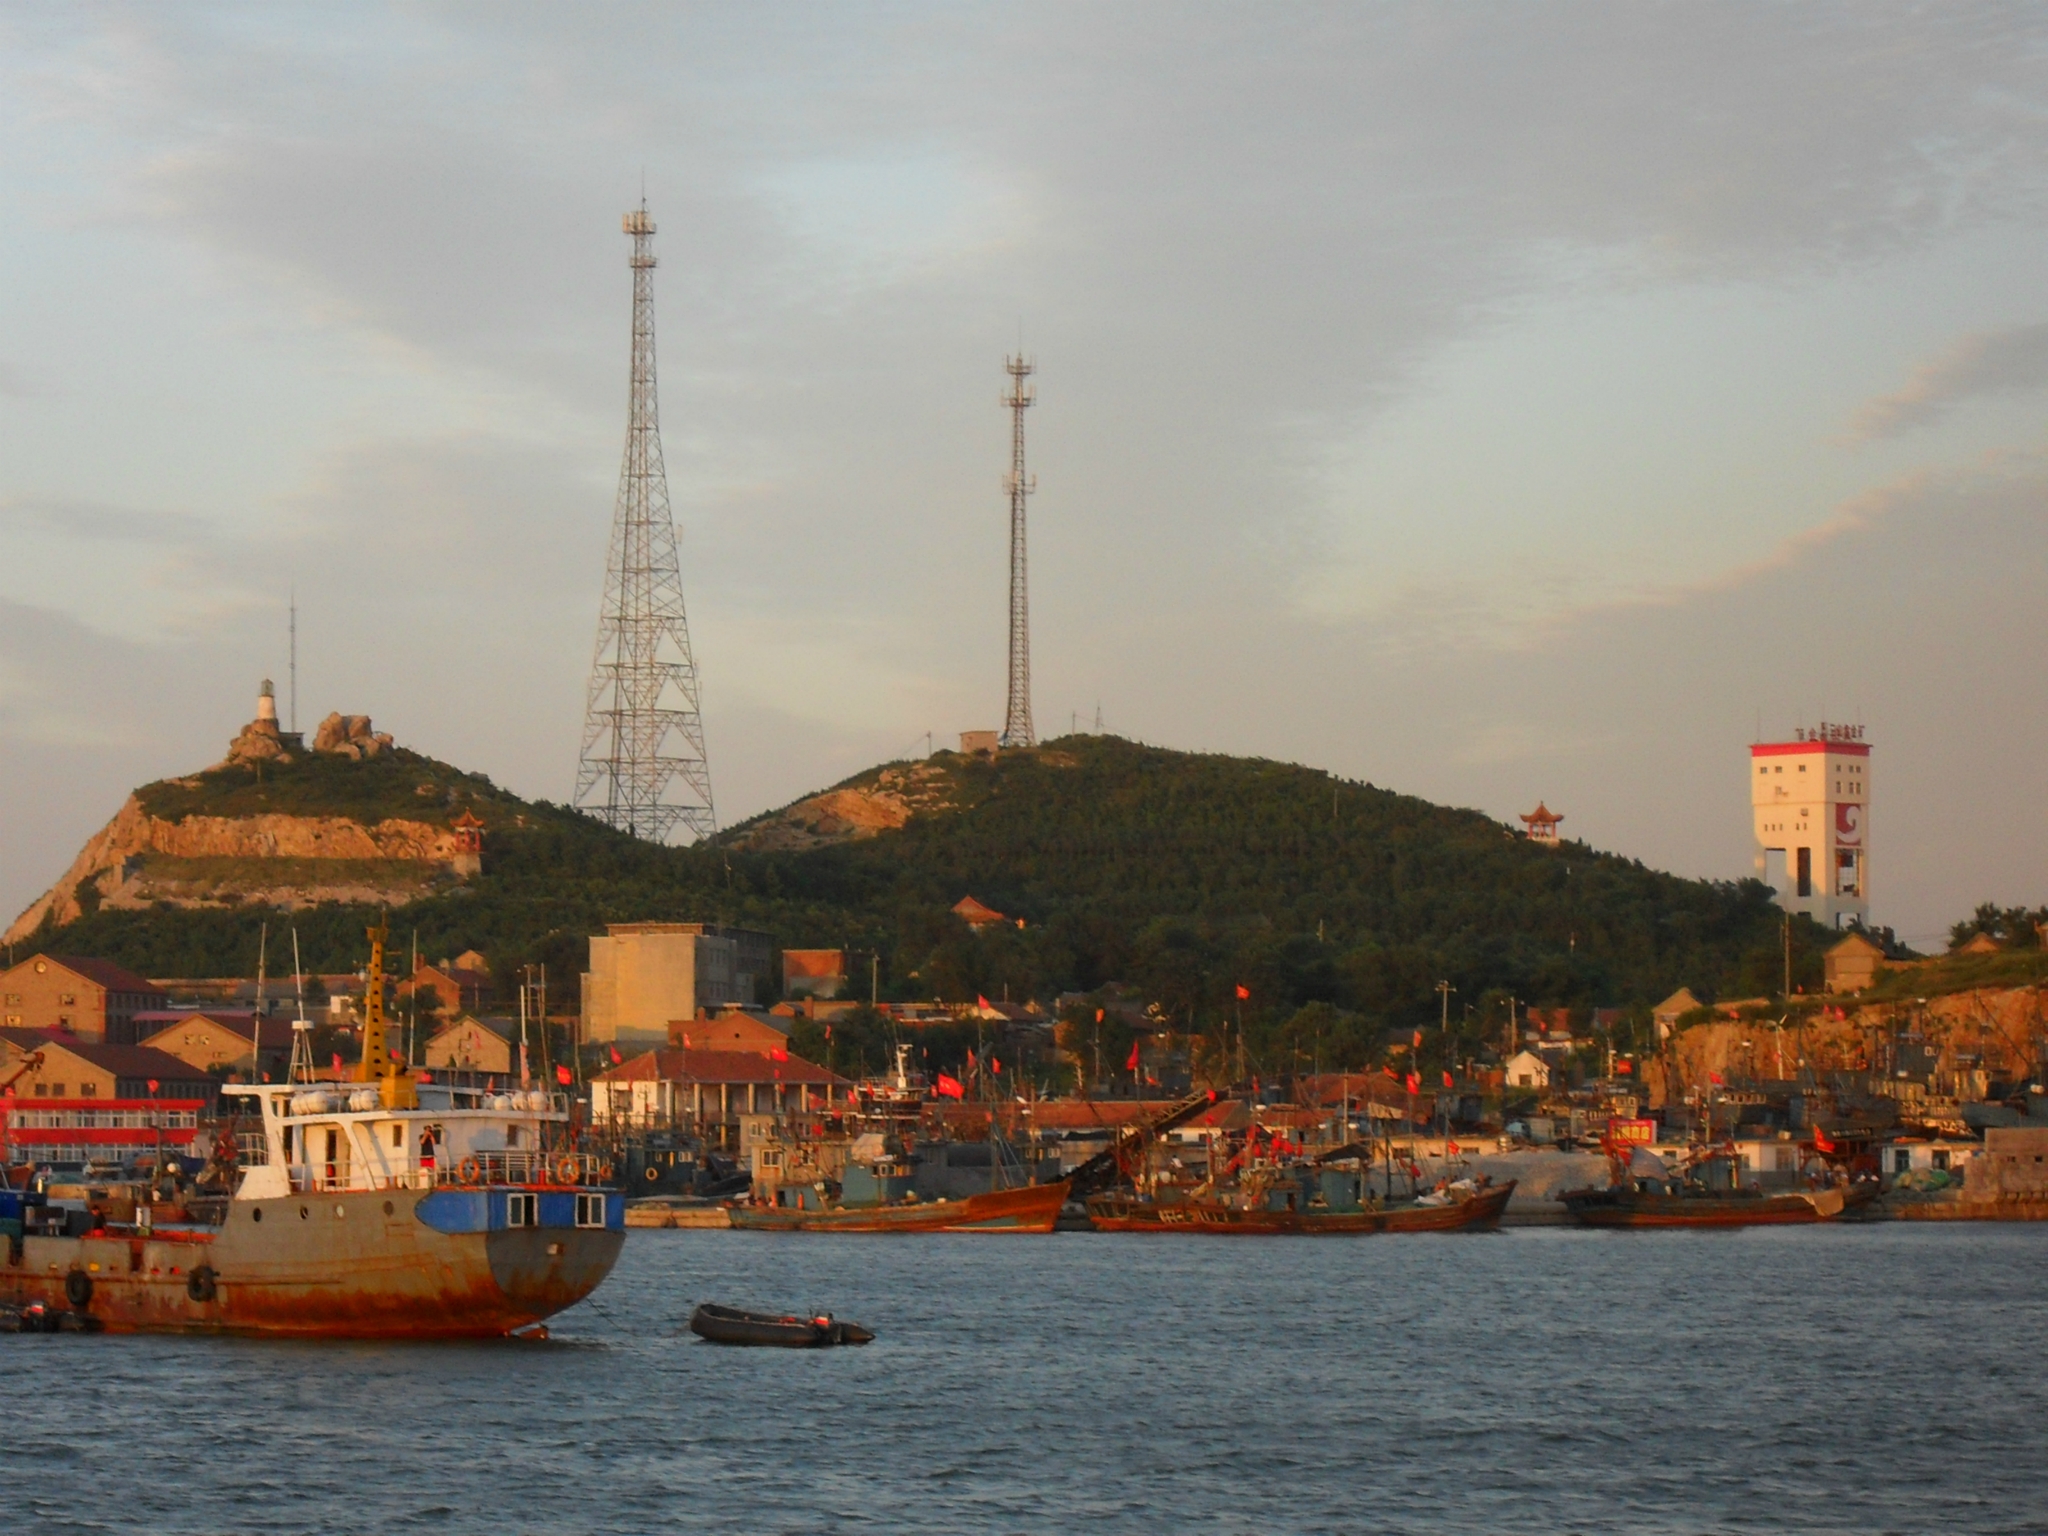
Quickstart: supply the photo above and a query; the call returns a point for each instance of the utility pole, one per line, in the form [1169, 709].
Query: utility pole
[1017, 730]
[643, 767]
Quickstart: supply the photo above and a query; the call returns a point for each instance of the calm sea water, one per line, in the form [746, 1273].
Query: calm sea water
[1854, 1379]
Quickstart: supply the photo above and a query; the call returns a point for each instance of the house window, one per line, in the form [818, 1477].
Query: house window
[398, 1135]
[1902, 1161]
[13, 999]
[1941, 1161]
[522, 1210]
[88, 1090]
[590, 1210]
[67, 999]
[42, 1090]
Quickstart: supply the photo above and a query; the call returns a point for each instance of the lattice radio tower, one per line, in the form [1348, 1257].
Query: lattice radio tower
[643, 767]
[1017, 730]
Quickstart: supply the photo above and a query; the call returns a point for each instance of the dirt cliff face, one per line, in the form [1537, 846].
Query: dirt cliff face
[138, 859]
[853, 811]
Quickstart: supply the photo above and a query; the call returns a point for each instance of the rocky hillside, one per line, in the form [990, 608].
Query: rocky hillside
[352, 819]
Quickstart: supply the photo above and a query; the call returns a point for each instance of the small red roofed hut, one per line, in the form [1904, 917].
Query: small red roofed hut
[1542, 824]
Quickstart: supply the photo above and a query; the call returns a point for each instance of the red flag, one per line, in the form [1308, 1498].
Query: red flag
[828, 1031]
[1243, 992]
[1715, 1078]
[951, 1087]
[395, 1056]
[1450, 1149]
[995, 1065]
[1132, 1064]
[1624, 1067]
[1447, 1079]
[1415, 1082]
[981, 1002]
[778, 1053]
[337, 1061]
[686, 1042]
[970, 1058]
[1098, 1015]
[426, 1077]
[1418, 1040]
[152, 1085]
[1391, 1073]
[562, 1076]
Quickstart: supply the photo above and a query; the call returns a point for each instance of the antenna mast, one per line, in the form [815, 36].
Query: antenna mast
[1017, 731]
[643, 767]
[295, 659]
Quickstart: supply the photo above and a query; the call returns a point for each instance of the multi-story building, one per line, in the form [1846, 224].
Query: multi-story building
[644, 975]
[95, 1000]
[1810, 803]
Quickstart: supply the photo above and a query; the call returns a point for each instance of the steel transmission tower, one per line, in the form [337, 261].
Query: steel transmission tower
[1017, 730]
[643, 768]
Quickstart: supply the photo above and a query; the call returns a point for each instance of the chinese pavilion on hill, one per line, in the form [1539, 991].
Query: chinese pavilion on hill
[1542, 824]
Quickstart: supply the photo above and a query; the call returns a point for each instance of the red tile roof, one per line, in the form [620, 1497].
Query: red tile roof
[132, 1060]
[276, 1033]
[115, 978]
[720, 1067]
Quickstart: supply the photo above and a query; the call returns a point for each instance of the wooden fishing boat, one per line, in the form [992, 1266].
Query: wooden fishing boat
[1462, 1211]
[731, 1325]
[1034, 1208]
[1625, 1207]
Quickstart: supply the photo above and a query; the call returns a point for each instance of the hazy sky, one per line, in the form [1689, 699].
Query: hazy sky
[1491, 403]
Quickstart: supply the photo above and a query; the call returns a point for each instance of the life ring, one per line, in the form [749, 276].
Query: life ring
[567, 1169]
[604, 1173]
[652, 1175]
[199, 1285]
[469, 1171]
[78, 1289]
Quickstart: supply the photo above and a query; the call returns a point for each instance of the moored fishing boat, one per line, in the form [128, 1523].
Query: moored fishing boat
[1459, 1209]
[1626, 1207]
[1034, 1208]
[373, 1208]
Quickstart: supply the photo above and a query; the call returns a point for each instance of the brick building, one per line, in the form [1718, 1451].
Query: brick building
[95, 1000]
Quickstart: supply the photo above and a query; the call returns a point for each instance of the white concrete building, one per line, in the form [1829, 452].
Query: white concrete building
[1810, 804]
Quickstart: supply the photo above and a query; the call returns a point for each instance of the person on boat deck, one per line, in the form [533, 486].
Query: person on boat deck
[427, 1147]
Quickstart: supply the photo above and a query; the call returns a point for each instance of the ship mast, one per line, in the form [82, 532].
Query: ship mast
[377, 1064]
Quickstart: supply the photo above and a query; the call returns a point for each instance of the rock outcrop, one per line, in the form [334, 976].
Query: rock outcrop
[138, 859]
[852, 811]
[349, 736]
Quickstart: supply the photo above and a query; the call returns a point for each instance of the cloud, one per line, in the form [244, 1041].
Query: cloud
[2011, 361]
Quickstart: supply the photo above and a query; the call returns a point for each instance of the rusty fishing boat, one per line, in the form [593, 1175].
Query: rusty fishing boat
[1645, 1191]
[1465, 1206]
[375, 1207]
[1033, 1209]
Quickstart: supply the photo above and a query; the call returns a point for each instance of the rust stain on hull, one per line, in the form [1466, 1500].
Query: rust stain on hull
[353, 1265]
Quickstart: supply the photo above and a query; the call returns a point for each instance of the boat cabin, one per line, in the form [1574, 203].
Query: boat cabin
[334, 1136]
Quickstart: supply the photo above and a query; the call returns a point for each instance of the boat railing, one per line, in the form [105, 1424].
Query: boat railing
[475, 1171]
[520, 1167]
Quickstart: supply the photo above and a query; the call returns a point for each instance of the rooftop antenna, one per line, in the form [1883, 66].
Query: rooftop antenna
[295, 658]
[1017, 731]
[643, 768]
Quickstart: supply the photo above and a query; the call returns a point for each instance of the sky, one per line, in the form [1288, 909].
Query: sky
[1491, 403]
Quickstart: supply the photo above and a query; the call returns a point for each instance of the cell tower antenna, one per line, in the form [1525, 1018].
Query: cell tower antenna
[643, 768]
[1017, 731]
[295, 659]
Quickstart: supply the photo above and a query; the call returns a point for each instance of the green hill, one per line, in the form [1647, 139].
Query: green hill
[1184, 876]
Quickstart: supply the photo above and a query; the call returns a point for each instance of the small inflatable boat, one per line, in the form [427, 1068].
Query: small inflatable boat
[729, 1325]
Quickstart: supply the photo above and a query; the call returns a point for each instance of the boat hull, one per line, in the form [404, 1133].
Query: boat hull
[1634, 1208]
[1114, 1213]
[359, 1264]
[1033, 1209]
